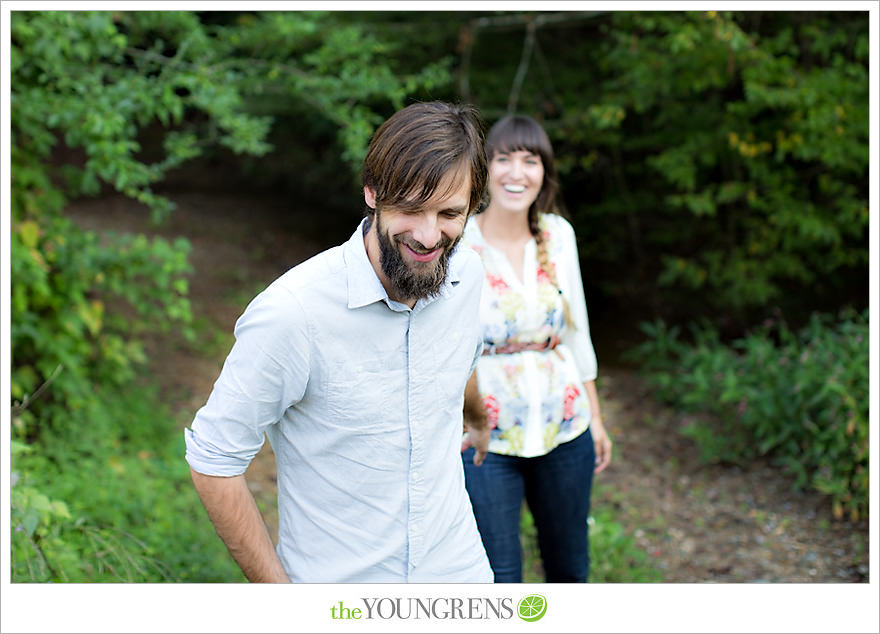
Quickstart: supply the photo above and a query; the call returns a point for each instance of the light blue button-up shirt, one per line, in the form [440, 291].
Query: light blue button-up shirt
[361, 398]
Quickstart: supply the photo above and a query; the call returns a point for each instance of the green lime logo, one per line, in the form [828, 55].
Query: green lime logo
[532, 607]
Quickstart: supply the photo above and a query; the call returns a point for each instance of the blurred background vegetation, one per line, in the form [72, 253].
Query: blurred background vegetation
[714, 166]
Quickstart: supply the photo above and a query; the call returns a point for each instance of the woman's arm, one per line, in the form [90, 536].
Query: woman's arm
[476, 422]
[601, 440]
[576, 338]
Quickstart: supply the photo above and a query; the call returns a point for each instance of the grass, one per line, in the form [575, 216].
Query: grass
[614, 555]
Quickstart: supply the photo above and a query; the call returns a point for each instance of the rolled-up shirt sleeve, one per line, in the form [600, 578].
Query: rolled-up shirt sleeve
[266, 372]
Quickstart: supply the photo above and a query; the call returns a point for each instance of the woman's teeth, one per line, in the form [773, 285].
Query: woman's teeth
[515, 189]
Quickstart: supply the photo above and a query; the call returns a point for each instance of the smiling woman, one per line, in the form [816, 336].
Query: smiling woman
[536, 377]
[515, 179]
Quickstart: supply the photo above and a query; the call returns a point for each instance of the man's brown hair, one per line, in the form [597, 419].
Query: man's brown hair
[417, 146]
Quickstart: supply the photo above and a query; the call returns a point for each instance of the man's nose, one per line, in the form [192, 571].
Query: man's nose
[427, 230]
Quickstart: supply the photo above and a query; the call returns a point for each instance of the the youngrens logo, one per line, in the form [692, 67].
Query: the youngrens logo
[530, 608]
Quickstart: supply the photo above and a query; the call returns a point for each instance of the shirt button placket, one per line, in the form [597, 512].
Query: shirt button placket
[416, 398]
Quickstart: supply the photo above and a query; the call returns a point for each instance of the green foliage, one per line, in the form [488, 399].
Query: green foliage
[112, 502]
[768, 195]
[723, 156]
[338, 68]
[761, 143]
[77, 306]
[614, 555]
[801, 398]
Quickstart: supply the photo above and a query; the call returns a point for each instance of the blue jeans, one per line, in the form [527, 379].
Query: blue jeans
[556, 487]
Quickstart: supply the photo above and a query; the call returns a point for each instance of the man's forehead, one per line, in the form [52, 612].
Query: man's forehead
[454, 189]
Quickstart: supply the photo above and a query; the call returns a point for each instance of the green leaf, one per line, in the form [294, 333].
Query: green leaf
[30, 522]
[29, 232]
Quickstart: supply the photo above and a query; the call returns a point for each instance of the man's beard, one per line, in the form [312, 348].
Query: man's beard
[418, 280]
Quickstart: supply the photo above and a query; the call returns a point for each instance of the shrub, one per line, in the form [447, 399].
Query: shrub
[800, 398]
[112, 500]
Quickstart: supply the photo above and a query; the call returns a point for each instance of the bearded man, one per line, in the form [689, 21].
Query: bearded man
[354, 365]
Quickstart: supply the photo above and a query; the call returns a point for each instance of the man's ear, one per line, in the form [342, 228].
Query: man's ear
[369, 197]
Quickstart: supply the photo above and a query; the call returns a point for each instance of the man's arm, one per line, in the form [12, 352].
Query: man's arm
[239, 524]
[476, 422]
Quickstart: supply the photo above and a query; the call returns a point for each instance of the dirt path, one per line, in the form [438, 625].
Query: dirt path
[716, 523]
[700, 523]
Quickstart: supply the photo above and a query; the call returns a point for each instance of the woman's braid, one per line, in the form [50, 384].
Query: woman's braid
[544, 263]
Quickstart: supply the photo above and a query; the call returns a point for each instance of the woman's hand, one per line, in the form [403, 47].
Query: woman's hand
[602, 443]
[478, 438]
[600, 437]
[476, 421]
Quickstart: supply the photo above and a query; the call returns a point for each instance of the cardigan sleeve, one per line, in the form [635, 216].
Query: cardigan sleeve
[569, 277]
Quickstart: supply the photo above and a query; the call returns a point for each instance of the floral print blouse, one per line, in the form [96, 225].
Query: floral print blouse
[535, 399]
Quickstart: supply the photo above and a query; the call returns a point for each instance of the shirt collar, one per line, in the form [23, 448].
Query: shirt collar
[364, 286]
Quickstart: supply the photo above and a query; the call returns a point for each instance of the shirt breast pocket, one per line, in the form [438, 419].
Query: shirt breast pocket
[365, 394]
